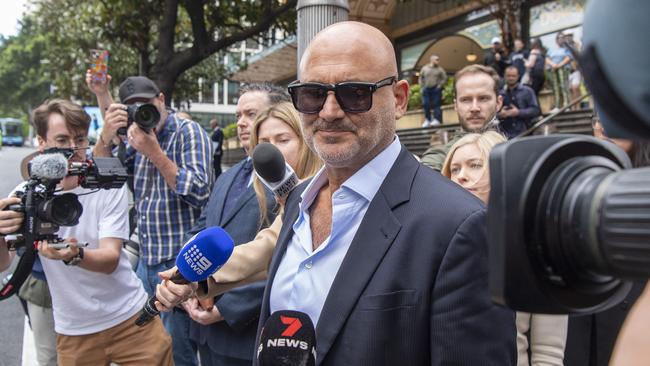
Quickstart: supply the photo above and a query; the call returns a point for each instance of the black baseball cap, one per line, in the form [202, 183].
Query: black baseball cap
[138, 87]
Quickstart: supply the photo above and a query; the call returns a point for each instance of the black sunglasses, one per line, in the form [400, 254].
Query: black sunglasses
[353, 97]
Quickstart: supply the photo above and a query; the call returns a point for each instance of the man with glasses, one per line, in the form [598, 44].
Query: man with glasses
[96, 296]
[384, 284]
[171, 166]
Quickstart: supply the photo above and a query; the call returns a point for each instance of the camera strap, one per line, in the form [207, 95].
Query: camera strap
[20, 274]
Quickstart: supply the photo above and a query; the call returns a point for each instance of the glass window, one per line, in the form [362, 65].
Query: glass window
[483, 33]
[207, 91]
[233, 92]
[556, 15]
[410, 55]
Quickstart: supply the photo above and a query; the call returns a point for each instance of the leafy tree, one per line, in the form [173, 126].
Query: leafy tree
[23, 73]
[161, 39]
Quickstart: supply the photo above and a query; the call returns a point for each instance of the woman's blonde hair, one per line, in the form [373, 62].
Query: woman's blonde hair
[484, 141]
[308, 162]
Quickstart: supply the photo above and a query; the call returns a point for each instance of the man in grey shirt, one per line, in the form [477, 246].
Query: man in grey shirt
[432, 81]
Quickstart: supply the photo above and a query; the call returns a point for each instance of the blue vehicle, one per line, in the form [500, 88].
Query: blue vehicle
[12, 132]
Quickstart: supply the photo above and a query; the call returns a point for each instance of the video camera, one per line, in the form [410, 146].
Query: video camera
[45, 211]
[568, 220]
[145, 115]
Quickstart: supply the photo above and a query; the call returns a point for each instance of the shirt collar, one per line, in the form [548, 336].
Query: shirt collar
[365, 182]
[169, 126]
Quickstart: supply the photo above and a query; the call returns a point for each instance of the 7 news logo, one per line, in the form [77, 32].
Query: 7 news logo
[196, 260]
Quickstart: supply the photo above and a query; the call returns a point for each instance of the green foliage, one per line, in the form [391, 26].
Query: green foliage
[230, 131]
[448, 91]
[23, 73]
[172, 42]
[415, 99]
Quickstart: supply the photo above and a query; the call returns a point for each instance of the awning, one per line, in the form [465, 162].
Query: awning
[275, 64]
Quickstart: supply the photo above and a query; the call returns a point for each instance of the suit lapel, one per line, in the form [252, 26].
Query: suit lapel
[224, 182]
[246, 196]
[374, 237]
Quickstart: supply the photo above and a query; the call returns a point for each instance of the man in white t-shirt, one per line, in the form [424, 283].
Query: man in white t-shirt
[96, 296]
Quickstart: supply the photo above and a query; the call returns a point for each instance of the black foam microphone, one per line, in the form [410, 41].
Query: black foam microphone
[272, 170]
[288, 339]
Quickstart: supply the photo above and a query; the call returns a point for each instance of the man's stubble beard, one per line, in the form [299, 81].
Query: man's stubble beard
[345, 157]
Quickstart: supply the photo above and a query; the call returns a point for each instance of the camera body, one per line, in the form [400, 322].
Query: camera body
[145, 115]
[45, 211]
[566, 224]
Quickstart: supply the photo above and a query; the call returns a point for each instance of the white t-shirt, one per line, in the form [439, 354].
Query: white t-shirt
[86, 302]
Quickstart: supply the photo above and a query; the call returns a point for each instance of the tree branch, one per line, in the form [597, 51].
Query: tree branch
[167, 24]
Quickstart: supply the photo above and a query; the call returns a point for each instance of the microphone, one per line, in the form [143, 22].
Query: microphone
[272, 170]
[288, 339]
[199, 258]
[49, 167]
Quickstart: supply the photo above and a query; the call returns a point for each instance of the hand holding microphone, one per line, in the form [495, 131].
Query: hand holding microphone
[201, 256]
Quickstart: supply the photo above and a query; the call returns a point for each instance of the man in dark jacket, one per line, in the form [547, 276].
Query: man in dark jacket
[520, 105]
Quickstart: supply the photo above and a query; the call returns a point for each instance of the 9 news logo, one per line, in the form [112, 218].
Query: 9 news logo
[196, 260]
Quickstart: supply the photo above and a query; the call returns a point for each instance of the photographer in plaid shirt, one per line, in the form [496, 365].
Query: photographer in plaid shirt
[172, 168]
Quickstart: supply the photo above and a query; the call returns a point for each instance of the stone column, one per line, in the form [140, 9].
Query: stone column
[314, 15]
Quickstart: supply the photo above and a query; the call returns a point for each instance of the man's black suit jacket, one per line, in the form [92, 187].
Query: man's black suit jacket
[413, 287]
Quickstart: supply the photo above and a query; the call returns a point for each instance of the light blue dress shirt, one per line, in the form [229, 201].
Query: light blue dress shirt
[305, 276]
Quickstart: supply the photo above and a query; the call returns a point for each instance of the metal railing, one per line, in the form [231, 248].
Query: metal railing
[551, 116]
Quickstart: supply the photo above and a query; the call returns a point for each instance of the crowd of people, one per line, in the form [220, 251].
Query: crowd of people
[522, 74]
[387, 256]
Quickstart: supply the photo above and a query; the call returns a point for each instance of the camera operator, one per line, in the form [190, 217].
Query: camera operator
[95, 294]
[171, 164]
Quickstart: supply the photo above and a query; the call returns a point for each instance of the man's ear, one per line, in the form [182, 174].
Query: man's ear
[401, 91]
[499, 102]
[41, 143]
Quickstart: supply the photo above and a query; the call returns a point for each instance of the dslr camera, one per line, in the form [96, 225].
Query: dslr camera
[145, 115]
[45, 211]
[568, 219]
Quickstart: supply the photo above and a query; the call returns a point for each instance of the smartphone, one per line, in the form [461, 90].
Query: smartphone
[99, 65]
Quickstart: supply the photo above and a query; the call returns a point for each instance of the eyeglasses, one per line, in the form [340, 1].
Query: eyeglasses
[68, 142]
[353, 97]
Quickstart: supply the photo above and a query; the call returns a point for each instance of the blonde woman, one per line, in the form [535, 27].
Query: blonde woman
[280, 126]
[467, 164]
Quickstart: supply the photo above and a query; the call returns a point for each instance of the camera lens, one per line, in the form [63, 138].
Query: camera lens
[146, 116]
[62, 210]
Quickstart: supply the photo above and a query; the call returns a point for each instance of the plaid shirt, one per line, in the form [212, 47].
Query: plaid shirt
[164, 214]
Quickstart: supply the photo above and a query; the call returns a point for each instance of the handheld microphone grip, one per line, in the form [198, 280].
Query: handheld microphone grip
[149, 310]
[201, 256]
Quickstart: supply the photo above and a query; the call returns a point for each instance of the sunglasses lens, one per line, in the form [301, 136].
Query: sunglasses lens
[308, 99]
[354, 98]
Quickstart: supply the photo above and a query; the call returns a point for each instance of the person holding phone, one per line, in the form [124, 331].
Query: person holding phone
[172, 172]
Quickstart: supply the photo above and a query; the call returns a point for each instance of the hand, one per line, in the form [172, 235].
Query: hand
[555, 67]
[115, 118]
[145, 143]
[200, 315]
[170, 294]
[97, 87]
[280, 200]
[513, 111]
[65, 254]
[497, 56]
[10, 221]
